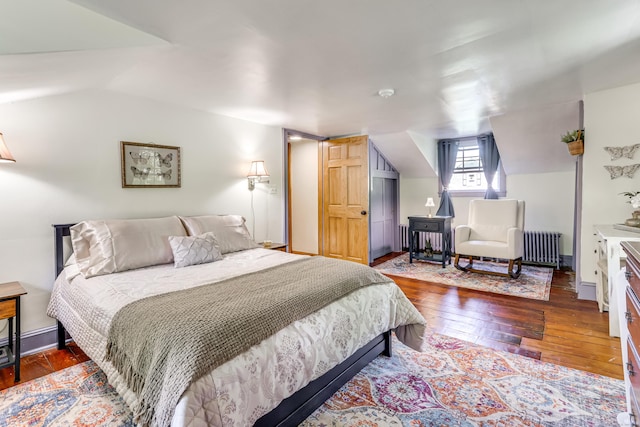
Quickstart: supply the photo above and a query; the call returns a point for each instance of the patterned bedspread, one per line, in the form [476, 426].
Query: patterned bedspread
[250, 385]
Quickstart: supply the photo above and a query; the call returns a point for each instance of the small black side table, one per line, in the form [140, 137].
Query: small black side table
[10, 310]
[425, 224]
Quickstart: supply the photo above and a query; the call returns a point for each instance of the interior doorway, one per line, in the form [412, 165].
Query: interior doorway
[302, 197]
[309, 197]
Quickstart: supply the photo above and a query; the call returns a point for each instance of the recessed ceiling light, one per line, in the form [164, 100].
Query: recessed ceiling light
[385, 93]
[295, 138]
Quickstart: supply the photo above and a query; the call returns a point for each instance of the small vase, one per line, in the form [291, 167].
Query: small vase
[635, 221]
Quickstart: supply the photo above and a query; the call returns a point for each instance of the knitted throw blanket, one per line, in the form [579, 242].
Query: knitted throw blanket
[161, 344]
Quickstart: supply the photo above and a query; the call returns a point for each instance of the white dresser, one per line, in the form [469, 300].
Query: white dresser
[610, 258]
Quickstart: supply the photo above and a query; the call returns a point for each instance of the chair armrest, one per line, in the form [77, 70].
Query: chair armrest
[515, 241]
[462, 234]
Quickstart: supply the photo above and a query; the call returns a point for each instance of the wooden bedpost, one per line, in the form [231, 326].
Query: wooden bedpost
[60, 230]
[62, 336]
[387, 345]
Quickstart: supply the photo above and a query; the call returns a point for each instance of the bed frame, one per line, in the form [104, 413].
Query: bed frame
[296, 408]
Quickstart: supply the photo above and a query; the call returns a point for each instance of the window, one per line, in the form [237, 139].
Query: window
[468, 176]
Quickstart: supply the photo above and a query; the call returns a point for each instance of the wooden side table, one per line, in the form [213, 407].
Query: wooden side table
[435, 224]
[10, 309]
[275, 246]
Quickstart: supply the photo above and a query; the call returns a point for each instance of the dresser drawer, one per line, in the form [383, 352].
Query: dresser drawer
[7, 309]
[633, 274]
[635, 411]
[426, 226]
[633, 316]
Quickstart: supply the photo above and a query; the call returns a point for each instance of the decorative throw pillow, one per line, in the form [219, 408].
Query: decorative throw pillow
[230, 231]
[192, 250]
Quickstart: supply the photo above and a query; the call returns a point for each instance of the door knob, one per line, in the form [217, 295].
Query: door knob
[363, 212]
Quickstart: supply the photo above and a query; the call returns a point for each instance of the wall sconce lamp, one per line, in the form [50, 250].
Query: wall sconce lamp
[430, 204]
[5, 154]
[257, 173]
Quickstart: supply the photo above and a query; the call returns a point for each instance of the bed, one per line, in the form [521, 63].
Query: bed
[280, 380]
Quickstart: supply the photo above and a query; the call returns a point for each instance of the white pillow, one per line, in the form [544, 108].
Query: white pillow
[192, 250]
[110, 246]
[71, 260]
[230, 231]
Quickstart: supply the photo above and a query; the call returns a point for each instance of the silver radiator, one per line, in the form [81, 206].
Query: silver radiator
[542, 247]
[539, 246]
[436, 239]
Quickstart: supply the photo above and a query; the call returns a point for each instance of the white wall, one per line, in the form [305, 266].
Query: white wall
[413, 195]
[304, 196]
[68, 169]
[610, 119]
[549, 201]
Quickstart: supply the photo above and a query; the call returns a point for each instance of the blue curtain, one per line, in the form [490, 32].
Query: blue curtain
[447, 152]
[490, 158]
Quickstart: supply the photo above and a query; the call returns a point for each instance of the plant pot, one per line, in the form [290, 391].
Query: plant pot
[576, 147]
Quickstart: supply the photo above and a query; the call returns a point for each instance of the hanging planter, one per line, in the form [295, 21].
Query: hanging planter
[576, 147]
[574, 141]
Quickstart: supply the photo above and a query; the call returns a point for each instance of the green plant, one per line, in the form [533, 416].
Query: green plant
[576, 135]
[634, 198]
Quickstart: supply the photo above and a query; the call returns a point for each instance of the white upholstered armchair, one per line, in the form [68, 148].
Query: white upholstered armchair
[495, 230]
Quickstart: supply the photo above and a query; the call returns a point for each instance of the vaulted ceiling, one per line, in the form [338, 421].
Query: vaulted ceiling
[458, 67]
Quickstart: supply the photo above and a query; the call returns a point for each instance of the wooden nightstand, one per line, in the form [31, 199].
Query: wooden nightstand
[275, 246]
[435, 224]
[10, 310]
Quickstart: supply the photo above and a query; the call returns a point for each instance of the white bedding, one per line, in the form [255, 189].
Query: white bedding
[240, 391]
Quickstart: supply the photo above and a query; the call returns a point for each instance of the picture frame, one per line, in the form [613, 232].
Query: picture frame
[149, 165]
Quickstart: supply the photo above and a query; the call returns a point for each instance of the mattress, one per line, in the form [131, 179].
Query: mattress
[243, 389]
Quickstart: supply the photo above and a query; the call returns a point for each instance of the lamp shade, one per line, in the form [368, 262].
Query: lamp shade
[430, 203]
[5, 154]
[257, 170]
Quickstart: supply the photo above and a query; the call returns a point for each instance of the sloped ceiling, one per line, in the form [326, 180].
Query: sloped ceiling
[535, 134]
[458, 67]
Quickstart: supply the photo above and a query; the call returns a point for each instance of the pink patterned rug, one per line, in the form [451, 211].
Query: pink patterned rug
[451, 383]
[533, 283]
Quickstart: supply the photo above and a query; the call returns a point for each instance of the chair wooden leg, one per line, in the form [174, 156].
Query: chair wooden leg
[516, 274]
[467, 267]
[510, 273]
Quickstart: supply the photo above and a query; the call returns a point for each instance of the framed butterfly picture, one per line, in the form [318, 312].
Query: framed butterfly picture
[149, 165]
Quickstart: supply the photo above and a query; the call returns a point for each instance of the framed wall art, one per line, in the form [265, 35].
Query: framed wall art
[149, 165]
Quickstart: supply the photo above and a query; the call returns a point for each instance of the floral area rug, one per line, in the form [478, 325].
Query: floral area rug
[533, 283]
[76, 396]
[450, 383]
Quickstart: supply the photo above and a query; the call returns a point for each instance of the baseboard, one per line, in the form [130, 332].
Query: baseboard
[566, 261]
[35, 341]
[587, 290]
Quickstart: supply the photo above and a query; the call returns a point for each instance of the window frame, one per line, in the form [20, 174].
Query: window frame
[502, 191]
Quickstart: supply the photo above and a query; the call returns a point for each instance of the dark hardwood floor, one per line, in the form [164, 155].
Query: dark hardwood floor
[564, 330]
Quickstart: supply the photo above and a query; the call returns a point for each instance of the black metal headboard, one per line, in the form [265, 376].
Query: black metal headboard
[61, 231]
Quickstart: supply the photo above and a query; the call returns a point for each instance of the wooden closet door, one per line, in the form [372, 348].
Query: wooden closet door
[345, 199]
